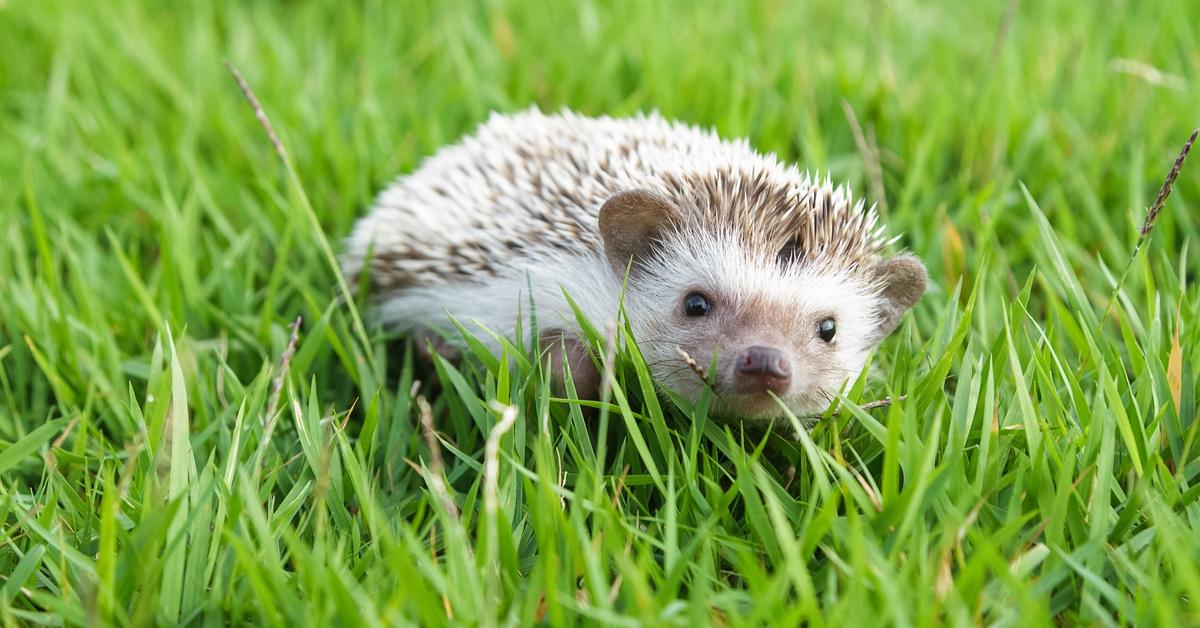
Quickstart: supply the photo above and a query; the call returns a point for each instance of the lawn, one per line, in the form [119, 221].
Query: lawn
[173, 449]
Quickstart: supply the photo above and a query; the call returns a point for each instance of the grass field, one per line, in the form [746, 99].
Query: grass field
[165, 459]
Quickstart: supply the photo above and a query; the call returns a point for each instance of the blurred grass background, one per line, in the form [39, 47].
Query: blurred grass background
[1043, 470]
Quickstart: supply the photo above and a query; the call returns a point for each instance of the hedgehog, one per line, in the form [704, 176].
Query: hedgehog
[708, 248]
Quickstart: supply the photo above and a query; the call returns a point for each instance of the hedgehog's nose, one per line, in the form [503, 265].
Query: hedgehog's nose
[760, 369]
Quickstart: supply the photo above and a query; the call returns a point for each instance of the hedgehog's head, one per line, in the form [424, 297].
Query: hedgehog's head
[784, 322]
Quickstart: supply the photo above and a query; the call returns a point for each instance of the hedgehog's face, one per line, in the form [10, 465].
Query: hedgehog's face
[778, 330]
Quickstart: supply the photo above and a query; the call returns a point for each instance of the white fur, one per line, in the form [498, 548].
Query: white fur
[501, 303]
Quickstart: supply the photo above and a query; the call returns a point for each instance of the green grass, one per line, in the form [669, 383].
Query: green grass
[1044, 469]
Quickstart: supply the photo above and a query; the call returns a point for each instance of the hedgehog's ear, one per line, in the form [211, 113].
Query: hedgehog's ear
[901, 282]
[630, 224]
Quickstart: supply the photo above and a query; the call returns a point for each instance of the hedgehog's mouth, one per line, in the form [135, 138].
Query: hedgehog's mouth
[751, 406]
[766, 406]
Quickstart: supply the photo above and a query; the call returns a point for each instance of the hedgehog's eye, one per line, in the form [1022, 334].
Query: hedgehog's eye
[826, 329]
[696, 304]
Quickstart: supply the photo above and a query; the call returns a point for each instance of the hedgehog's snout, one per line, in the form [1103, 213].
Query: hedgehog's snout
[762, 369]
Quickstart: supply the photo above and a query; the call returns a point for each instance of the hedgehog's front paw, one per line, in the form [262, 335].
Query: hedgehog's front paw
[430, 343]
[583, 371]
